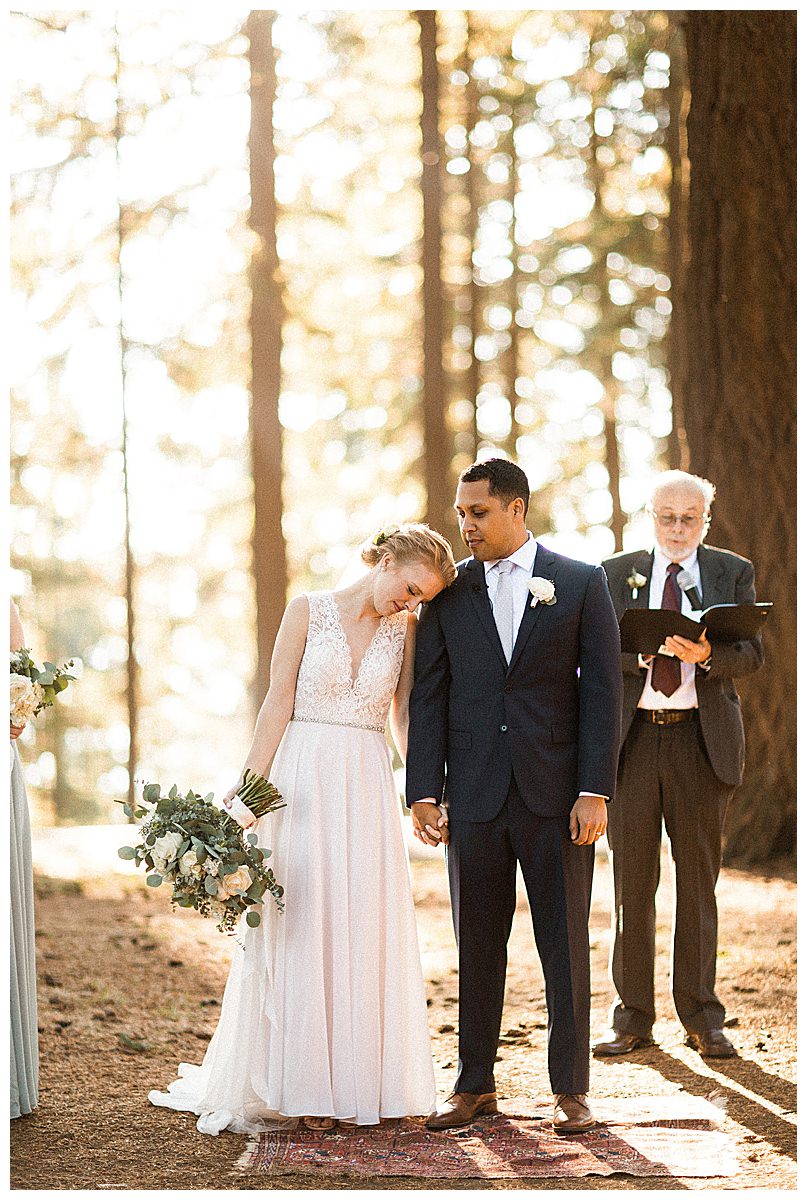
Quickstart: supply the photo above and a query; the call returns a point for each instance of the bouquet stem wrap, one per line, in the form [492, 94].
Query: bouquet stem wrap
[240, 813]
[255, 798]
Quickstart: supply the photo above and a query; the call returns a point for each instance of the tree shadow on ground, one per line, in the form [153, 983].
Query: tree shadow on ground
[744, 1109]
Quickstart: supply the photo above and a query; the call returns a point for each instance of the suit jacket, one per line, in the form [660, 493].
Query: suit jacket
[551, 717]
[726, 578]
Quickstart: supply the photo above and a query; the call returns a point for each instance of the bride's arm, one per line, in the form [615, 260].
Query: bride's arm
[399, 712]
[278, 705]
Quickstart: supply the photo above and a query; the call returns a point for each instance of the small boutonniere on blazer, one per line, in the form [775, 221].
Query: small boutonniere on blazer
[635, 581]
[542, 591]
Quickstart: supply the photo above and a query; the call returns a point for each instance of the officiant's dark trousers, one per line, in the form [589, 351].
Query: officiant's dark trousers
[665, 773]
[482, 858]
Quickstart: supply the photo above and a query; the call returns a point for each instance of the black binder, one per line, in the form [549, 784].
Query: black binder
[643, 630]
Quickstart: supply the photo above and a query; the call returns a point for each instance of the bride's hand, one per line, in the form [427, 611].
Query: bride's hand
[16, 730]
[430, 822]
[229, 795]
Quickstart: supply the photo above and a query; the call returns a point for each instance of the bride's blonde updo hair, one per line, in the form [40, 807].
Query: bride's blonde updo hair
[412, 542]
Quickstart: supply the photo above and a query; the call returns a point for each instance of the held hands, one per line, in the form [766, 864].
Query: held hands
[588, 820]
[430, 822]
[16, 730]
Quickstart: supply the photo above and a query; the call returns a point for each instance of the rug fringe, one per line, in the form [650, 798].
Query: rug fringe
[246, 1159]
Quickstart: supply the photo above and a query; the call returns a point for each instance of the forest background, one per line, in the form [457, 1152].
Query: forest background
[278, 277]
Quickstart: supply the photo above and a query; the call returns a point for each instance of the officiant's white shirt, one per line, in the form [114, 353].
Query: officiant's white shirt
[685, 695]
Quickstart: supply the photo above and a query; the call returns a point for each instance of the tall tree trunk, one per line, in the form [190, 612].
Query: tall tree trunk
[436, 441]
[123, 349]
[738, 391]
[677, 240]
[266, 326]
[471, 191]
[602, 349]
[510, 356]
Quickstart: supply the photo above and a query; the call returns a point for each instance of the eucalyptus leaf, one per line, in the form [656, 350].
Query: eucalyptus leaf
[211, 887]
[253, 919]
[154, 880]
[127, 852]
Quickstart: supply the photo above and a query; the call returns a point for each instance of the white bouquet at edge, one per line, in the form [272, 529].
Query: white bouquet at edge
[33, 687]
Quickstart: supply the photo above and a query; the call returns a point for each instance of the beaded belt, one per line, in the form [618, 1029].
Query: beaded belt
[347, 724]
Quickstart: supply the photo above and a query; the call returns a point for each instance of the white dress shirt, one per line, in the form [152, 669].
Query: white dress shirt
[524, 559]
[685, 695]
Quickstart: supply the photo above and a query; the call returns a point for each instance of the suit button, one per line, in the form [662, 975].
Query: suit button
[509, 687]
[503, 728]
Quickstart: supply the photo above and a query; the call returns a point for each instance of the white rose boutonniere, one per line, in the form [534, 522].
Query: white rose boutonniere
[635, 581]
[542, 591]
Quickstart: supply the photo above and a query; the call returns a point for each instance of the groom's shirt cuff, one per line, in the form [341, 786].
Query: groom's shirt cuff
[596, 795]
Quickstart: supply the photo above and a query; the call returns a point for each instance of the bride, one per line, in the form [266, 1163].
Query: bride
[324, 1012]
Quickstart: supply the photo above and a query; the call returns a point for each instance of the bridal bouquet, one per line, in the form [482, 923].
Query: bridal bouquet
[33, 687]
[205, 856]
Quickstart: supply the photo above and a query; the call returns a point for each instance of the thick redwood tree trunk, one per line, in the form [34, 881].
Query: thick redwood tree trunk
[439, 496]
[738, 393]
[266, 323]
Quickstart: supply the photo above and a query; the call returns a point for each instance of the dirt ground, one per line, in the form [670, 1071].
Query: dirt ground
[127, 988]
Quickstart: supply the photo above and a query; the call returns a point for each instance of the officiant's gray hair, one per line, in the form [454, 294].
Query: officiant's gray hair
[412, 542]
[695, 483]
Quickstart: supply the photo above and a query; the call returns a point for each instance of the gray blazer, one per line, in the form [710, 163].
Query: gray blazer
[726, 578]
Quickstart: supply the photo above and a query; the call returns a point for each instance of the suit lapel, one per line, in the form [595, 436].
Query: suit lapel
[481, 604]
[711, 576]
[543, 565]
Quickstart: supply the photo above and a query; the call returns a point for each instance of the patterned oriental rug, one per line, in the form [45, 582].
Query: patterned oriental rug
[683, 1138]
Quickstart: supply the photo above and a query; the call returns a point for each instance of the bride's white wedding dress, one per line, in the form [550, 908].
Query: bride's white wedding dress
[324, 1013]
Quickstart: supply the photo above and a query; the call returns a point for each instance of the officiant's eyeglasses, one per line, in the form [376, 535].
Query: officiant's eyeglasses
[670, 519]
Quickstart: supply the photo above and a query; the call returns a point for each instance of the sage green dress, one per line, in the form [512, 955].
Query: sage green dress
[24, 1041]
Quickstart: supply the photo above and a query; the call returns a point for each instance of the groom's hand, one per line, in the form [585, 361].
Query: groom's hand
[429, 822]
[588, 820]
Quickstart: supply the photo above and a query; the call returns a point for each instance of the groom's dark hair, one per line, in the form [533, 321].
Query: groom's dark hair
[505, 480]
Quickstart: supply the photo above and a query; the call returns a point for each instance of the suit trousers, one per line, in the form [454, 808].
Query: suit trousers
[482, 858]
[664, 773]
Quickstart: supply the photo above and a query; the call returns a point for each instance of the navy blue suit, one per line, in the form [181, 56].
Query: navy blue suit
[509, 748]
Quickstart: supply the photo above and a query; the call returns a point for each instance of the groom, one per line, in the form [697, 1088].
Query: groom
[514, 724]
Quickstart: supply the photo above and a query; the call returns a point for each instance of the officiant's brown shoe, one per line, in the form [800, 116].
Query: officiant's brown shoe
[461, 1108]
[711, 1044]
[572, 1114]
[620, 1043]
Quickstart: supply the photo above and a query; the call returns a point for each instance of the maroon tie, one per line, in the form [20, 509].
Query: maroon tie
[666, 674]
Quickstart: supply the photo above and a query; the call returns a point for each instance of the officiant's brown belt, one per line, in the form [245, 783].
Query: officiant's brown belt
[666, 716]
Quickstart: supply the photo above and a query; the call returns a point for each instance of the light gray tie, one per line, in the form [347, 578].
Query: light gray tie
[503, 606]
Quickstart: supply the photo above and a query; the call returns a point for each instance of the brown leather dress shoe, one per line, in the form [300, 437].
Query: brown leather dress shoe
[620, 1043]
[711, 1044]
[461, 1108]
[572, 1114]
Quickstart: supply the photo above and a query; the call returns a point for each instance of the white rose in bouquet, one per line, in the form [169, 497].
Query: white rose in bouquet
[189, 864]
[164, 851]
[26, 696]
[239, 881]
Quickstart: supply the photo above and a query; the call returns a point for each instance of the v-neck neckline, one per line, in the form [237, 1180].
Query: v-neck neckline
[354, 679]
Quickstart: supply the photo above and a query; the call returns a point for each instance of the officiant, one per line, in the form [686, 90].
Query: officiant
[682, 756]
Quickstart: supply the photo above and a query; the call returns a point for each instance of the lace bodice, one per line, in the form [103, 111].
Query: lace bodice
[326, 690]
